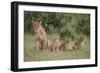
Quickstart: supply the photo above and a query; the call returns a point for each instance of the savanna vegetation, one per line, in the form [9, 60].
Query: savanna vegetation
[67, 25]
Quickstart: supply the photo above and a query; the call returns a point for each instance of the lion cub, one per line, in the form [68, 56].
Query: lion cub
[79, 43]
[64, 45]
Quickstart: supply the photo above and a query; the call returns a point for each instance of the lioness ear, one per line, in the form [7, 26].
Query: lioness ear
[40, 22]
[32, 21]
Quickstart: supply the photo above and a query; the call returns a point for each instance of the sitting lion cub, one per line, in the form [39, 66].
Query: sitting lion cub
[79, 43]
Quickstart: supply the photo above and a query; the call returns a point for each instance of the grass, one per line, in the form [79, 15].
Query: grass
[32, 54]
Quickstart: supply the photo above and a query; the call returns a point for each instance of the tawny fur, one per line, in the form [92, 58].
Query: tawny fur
[41, 36]
[55, 44]
[79, 43]
[64, 45]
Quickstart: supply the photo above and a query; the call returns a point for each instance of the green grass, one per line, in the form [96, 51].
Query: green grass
[32, 54]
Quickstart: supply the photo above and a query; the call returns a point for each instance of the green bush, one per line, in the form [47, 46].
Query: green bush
[66, 24]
